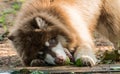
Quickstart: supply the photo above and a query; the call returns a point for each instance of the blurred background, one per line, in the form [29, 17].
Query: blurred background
[8, 12]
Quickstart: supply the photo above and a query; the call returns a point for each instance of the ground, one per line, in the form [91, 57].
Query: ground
[8, 55]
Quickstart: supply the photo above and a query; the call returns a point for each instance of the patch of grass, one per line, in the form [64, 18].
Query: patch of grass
[21, 1]
[26, 71]
[3, 22]
[4, 14]
[38, 72]
[8, 11]
[16, 6]
[110, 57]
[2, 19]
[79, 62]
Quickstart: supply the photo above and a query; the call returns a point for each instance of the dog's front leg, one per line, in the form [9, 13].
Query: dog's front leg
[85, 53]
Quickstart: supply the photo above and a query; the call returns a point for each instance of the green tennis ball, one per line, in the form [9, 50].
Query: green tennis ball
[78, 62]
[67, 62]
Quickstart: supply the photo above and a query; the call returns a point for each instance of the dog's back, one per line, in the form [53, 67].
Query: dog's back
[109, 20]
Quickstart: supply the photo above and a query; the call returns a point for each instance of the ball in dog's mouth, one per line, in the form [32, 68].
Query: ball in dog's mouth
[61, 55]
[55, 54]
[67, 61]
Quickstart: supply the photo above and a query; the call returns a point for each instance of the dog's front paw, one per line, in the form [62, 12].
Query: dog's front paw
[85, 57]
[86, 60]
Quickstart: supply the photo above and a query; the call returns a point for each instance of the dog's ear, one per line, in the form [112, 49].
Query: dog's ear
[41, 23]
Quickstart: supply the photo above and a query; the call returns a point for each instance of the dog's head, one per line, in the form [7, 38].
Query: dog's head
[37, 36]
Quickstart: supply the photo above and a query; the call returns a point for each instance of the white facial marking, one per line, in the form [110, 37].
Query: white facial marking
[47, 43]
[49, 59]
[40, 22]
[59, 50]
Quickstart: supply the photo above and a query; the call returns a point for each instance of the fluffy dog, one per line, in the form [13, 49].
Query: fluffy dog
[70, 22]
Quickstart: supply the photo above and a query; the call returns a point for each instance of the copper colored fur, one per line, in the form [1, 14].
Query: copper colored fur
[74, 20]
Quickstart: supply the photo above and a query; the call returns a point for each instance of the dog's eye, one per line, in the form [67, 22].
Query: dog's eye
[53, 40]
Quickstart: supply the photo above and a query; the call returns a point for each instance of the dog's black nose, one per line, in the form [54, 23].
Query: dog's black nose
[60, 60]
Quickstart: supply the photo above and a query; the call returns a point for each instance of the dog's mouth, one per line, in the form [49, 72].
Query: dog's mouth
[54, 53]
[60, 60]
[48, 59]
[54, 43]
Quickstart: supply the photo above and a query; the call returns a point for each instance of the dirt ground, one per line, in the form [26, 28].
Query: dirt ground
[8, 56]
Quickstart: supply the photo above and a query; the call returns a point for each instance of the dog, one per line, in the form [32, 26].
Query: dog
[70, 22]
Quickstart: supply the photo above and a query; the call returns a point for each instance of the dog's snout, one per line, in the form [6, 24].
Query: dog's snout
[59, 60]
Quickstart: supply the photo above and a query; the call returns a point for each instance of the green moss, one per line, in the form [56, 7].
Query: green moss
[78, 62]
[67, 62]
[16, 6]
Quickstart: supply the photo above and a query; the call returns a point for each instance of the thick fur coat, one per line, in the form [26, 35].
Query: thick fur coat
[71, 21]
